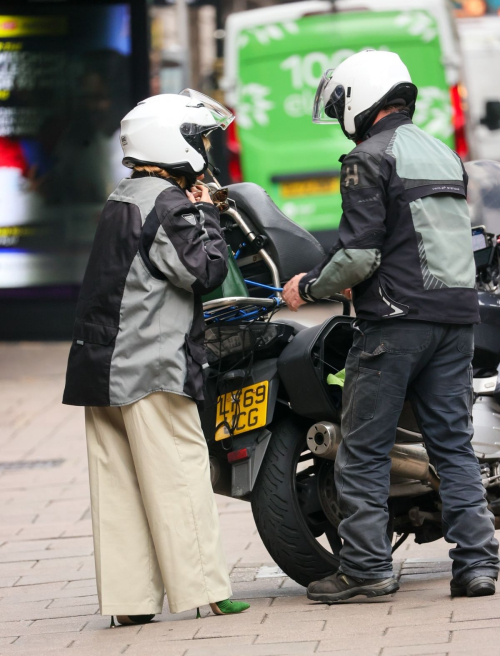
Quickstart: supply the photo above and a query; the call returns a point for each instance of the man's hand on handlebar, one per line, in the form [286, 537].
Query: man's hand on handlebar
[291, 294]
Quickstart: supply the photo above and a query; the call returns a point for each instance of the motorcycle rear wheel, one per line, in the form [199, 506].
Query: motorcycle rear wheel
[287, 509]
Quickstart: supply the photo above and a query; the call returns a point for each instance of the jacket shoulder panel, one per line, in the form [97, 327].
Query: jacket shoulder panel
[141, 192]
[375, 146]
[420, 156]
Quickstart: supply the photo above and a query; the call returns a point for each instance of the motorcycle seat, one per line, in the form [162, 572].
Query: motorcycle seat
[293, 249]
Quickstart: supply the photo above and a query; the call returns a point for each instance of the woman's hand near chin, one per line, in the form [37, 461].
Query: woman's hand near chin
[201, 194]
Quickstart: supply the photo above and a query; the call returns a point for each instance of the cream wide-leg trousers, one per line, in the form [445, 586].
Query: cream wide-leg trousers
[154, 517]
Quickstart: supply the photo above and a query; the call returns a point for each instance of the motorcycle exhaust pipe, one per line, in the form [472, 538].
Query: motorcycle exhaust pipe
[408, 461]
[324, 439]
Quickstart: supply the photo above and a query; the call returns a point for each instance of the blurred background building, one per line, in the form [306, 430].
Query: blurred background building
[70, 69]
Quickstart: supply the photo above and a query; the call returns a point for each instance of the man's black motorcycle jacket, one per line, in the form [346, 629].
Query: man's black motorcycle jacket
[404, 225]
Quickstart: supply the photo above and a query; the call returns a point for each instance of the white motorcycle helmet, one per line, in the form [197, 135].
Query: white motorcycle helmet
[353, 93]
[167, 130]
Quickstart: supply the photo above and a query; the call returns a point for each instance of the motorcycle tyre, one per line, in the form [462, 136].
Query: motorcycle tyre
[276, 509]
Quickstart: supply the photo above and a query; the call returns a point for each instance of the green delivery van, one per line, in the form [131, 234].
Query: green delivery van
[274, 59]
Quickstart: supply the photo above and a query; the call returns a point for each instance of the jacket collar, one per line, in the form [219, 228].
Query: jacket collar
[389, 122]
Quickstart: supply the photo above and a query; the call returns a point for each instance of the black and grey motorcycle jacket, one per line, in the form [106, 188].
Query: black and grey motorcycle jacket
[139, 324]
[405, 244]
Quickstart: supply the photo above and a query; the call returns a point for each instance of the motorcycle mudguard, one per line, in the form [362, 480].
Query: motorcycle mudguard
[244, 472]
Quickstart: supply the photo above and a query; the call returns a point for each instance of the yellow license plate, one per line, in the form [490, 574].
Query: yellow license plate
[311, 187]
[243, 410]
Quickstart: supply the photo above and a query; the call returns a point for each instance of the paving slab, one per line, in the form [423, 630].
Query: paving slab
[276, 649]
[48, 600]
[104, 650]
[365, 651]
[417, 650]
[51, 593]
[42, 641]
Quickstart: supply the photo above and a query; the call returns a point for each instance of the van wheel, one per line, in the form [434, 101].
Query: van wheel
[287, 505]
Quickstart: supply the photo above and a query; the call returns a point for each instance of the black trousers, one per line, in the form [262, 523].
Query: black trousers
[431, 364]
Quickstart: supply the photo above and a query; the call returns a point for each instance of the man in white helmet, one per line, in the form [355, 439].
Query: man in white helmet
[136, 364]
[405, 249]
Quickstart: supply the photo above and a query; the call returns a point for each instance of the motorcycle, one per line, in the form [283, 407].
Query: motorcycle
[271, 420]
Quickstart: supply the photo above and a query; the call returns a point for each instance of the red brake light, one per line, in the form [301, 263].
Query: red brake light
[457, 92]
[233, 146]
[234, 456]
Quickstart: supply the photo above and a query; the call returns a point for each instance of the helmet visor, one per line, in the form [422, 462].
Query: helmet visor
[222, 116]
[329, 102]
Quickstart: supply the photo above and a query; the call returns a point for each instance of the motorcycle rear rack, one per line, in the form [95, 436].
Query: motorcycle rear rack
[238, 308]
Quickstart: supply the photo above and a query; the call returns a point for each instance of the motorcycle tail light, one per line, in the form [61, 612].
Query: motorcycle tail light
[234, 148]
[235, 456]
[458, 95]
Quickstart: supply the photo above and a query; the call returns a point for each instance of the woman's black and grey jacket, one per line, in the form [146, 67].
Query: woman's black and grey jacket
[405, 240]
[139, 324]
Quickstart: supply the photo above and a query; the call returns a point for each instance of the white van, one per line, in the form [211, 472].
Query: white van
[480, 41]
[274, 59]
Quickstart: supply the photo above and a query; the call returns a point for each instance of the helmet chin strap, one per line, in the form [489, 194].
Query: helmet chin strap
[191, 179]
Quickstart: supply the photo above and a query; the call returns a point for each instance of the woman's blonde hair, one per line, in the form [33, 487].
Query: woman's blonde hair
[162, 173]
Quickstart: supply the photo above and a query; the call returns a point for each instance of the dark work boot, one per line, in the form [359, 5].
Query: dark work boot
[338, 587]
[481, 586]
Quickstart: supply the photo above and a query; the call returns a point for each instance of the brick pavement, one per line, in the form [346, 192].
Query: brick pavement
[48, 602]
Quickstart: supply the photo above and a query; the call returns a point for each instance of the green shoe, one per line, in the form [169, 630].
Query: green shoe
[228, 607]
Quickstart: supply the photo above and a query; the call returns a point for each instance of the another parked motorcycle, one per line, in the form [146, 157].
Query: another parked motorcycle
[272, 421]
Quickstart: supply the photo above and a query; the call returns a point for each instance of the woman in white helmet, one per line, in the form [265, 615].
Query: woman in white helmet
[136, 365]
